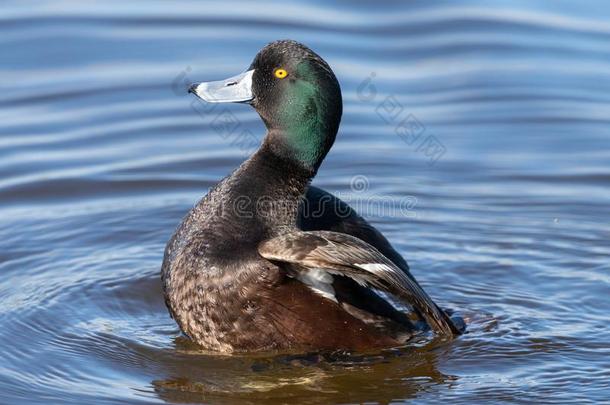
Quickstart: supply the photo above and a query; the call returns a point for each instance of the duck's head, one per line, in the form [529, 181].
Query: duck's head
[296, 94]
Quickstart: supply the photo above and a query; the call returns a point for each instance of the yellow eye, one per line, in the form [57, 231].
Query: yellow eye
[280, 73]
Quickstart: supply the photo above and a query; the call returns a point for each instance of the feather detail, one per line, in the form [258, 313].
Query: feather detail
[345, 255]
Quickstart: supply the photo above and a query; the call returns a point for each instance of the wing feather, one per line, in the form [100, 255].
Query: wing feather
[345, 255]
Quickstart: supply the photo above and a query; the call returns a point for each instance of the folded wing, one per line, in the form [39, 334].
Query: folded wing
[345, 255]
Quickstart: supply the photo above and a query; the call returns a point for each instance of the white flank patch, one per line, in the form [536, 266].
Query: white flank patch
[320, 281]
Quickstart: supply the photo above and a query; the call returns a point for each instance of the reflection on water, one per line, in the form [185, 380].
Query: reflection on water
[400, 373]
[491, 122]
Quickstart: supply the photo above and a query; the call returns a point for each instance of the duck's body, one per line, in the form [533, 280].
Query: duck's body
[264, 261]
[244, 302]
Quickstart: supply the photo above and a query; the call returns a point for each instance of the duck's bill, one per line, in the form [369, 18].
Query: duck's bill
[236, 89]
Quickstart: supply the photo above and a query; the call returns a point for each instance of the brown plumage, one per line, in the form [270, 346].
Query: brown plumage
[252, 268]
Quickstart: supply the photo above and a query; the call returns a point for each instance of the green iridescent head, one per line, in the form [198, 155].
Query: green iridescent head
[296, 94]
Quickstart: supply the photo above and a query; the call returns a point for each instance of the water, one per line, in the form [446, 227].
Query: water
[102, 152]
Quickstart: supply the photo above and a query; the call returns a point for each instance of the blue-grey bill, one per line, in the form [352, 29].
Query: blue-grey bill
[236, 89]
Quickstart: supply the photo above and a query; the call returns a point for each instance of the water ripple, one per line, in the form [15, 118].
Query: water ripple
[102, 152]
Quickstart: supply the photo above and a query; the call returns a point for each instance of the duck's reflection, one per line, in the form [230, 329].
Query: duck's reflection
[195, 376]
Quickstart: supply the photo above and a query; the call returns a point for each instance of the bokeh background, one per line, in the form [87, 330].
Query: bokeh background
[490, 121]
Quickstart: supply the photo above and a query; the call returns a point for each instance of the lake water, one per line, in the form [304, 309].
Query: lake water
[475, 136]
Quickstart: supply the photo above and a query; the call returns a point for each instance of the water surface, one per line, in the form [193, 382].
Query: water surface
[489, 122]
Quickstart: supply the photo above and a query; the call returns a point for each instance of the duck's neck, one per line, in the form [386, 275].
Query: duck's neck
[305, 147]
[288, 166]
[273, 183]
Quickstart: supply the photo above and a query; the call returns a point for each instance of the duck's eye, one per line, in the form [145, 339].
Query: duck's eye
[280, 73]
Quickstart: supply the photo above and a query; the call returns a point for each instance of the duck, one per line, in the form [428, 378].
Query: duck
[266, 261]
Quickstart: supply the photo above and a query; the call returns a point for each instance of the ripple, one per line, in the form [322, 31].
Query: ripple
[102, 153]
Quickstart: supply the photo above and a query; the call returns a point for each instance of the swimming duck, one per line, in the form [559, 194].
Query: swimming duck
[250, 269]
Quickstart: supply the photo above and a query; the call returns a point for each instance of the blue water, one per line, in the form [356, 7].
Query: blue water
[485, 127]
